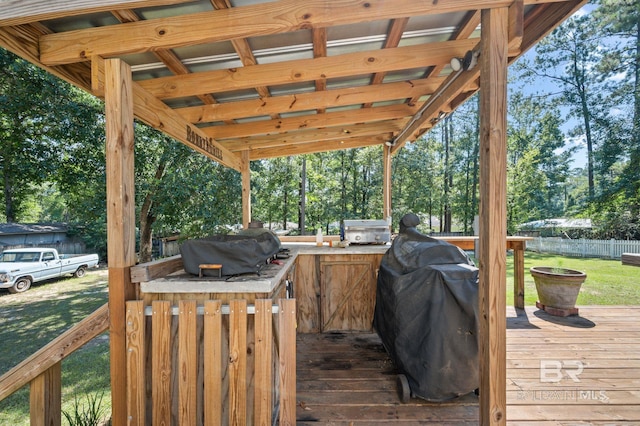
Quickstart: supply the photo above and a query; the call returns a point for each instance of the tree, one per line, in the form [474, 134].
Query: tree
[537, 162]
[568, 57]
[620, 21]
[36, 111]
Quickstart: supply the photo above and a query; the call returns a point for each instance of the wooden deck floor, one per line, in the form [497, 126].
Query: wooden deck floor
[560, 371]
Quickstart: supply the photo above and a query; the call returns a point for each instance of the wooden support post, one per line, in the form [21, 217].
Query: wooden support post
[386, 182]
[518, 274]
[45, 397]
[493, 224]
[246, 189]
[287, 352]
[120, 222]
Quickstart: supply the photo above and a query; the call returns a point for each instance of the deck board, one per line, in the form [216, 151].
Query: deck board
[348, 379]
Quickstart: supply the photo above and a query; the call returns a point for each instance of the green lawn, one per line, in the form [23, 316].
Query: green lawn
[608, 281]
[32, 319]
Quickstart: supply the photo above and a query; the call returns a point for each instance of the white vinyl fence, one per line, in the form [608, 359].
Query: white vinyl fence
[608, 249]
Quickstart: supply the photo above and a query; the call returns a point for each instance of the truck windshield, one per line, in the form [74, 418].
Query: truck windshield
[20, 257]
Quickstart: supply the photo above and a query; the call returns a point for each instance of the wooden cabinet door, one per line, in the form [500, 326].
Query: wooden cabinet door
[348, 292]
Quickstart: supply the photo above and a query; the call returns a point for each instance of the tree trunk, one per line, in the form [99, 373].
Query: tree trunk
[8, 201]
[303, 195]
[147, 217]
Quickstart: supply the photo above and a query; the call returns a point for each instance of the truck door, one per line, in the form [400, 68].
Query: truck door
[50, 265]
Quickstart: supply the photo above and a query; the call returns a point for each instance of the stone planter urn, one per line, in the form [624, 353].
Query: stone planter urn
[558, 289]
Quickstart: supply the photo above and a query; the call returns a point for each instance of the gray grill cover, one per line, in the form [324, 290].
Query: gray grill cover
[238, 254]
[426, 314]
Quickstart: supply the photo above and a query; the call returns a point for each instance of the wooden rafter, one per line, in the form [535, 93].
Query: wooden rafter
[394, 35]
[309, 123]
[308, 69]
[238, 22]
[339, 133]
[309, 101]
[167, 57]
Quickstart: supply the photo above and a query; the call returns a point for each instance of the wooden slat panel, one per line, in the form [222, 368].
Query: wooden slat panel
[287, 352]
[45, 397]
[238, 362]
[307, 291]
[136, 393]
[187, 363]
[212, 363]
[161, 362]
[263, 386]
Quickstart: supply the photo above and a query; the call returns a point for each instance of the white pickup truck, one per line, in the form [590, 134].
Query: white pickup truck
[19, 268]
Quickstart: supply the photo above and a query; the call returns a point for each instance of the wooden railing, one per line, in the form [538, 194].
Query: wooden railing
[211, 364]
[43, 369]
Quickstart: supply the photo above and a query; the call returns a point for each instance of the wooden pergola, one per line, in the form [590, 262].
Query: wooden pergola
[243, 80]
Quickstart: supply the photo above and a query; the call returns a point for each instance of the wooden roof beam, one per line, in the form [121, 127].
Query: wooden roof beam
[394, 35]
[320, 51]
[25, 11]
[314, 121]
[23, 41]
[235, 23]
[319, 146]
[158, 115]
[314, 135]
[310, 101]
[288, 72]
[467, 27]
[452, 87]
[242, 48]
[167, 57]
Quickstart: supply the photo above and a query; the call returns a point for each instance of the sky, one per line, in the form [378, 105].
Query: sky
[547, 86]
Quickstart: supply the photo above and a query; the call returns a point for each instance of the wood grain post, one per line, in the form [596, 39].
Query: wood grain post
[246, 189]
[493, 224]
[45, 397]
[120, 221]
[386, 182]
[287, 352]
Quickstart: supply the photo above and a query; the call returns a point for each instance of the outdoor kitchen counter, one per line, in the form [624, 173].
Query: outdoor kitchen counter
[167, 277]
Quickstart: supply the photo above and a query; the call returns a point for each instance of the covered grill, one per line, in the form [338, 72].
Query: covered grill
[238, 254]
[426, 314]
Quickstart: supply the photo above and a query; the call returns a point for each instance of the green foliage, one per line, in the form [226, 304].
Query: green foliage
[89, 414]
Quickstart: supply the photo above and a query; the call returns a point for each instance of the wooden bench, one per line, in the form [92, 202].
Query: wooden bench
[632, 259]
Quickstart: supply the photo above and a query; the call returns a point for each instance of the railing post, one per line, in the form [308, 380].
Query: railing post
[611, 249]
[45, 397]
[287, 353]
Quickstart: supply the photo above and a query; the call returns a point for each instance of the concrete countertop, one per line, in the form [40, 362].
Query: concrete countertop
[181, 282]
[269, 278]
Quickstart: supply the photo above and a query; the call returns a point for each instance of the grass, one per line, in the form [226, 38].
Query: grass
[32, 319]
[608, 281]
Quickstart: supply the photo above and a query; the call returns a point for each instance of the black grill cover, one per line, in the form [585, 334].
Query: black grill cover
[238, 254]
[426, 314]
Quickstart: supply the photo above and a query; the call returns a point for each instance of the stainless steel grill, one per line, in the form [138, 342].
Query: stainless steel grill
[367, 231]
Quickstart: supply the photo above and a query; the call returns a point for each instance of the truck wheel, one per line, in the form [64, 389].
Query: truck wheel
[20, 286]
[80, 272]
